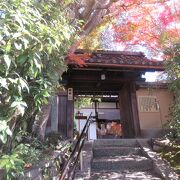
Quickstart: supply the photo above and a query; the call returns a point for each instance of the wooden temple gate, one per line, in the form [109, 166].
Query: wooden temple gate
[107, 72]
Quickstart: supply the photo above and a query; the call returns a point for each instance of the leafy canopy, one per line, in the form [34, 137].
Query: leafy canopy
[34, 38]
[173, 71]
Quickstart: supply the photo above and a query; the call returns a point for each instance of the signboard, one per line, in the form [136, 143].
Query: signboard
[148, 104]
[70, 94]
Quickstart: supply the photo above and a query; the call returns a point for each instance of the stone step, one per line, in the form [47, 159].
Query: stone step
[117, 175]
[132, 162]
[81, 175]
[116, 142]
[123, 175]
[116, 151]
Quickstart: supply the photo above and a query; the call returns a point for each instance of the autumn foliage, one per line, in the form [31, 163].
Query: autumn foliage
[153, 24]
[80, 59]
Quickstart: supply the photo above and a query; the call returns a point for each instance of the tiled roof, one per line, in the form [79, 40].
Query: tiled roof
[122, 59]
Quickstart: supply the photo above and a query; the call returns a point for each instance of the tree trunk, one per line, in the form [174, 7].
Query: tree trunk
[93, 14]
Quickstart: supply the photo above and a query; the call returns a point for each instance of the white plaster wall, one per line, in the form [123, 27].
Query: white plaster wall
[105, 111]
[80, 123]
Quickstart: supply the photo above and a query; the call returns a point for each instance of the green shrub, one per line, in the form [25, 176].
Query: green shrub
[173, 71]
[34, 38]
[13, 165]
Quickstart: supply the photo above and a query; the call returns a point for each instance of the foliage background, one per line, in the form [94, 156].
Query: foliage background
[34, 39]
[173, 72]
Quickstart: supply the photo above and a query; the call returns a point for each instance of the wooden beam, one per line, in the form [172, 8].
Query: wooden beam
[81, 78]
[135, 109]
[133, 66]
[70, 118]
[94, 88]
[126, 112]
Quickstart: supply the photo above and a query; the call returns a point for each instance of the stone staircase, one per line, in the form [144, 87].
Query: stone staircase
[116, 159]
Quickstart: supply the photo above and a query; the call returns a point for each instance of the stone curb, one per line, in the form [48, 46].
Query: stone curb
[85, 162]
[161, 167]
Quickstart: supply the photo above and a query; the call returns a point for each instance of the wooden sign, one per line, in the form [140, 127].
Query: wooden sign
[70, 94]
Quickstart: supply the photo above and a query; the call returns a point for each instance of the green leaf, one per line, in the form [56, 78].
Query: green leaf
[4, 131]
[26, 42]
[2, 69]
[8, 47]
[20, 106]
[7, 60]
[16, 35]
[46, 94]
[13, 80]
[18, 46]
[37, 64]
[23, 84]
[22, 58]
[3, 83]
[3, 138]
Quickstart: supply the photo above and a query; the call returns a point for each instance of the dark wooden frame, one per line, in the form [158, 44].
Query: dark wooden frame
[65, 115]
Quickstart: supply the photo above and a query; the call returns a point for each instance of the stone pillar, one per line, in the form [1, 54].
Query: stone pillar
[54, 114]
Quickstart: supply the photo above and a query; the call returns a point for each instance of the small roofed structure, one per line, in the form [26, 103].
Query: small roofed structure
[115, 67]
[108, 73]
